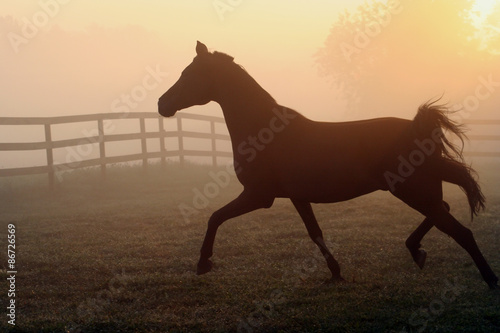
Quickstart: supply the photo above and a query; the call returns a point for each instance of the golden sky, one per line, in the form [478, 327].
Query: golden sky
[274, 40]
[90, 53]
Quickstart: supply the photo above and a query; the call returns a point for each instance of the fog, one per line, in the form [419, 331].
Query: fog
[74, 57]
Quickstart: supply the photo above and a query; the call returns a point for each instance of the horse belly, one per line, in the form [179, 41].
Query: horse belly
[337, 192]
[329, 185]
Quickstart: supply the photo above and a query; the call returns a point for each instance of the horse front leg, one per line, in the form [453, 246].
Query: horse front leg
[246, 202]
[307, 215]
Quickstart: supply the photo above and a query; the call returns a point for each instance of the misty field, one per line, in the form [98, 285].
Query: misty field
[120, 256]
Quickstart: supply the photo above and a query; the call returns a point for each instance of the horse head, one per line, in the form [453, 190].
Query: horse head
[196, 84]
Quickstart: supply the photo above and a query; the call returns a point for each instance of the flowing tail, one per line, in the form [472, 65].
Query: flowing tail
[430, 121]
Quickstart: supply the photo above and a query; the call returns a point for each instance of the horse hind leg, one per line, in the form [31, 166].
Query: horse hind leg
[446, 223]
[307, 215]
[418, 254]
[428, 200]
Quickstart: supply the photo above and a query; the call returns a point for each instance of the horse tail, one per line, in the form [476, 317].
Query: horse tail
[458, 173]
[430, 122]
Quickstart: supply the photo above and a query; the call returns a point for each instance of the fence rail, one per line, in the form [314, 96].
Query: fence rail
[483, 122]
[101, 138]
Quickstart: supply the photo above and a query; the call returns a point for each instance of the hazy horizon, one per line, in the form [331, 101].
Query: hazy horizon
[90, 53]
[70, 57]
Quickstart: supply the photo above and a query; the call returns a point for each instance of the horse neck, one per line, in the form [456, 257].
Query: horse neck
[247, 107]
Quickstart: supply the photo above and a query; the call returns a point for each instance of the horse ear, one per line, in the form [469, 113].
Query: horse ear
[201, 48]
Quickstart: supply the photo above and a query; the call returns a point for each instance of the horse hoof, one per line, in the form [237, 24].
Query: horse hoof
[493, 284]
[419, 258]
[204, 267]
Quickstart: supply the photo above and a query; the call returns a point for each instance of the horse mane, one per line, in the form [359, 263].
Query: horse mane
[222, 56]
[226, 58]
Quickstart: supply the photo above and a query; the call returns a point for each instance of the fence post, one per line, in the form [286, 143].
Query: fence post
[161, 129]
[181, 145]
[52, 167]
[102, 148]
[144, 145]
[50, 156]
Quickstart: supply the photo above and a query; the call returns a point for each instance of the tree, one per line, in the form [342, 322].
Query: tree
[391, 56]
[492, 30]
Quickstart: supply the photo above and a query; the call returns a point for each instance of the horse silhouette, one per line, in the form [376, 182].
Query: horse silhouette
[278, 153]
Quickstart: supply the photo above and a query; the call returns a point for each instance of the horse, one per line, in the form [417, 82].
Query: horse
[279, 153]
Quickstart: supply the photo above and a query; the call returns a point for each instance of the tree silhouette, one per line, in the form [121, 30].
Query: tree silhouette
[492, 30]
[396, 54]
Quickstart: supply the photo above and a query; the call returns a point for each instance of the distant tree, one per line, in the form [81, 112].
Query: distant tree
[492, 30]
[392, 55]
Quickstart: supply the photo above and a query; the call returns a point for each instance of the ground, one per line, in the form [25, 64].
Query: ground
[120, 255]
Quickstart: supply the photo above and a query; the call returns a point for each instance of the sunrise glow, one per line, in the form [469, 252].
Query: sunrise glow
[348, 144]
[481, 10]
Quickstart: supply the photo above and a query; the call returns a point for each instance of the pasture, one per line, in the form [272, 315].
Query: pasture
[120, 256]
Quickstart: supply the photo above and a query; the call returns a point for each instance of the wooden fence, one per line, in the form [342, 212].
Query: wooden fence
[484, 123]
[101, 138]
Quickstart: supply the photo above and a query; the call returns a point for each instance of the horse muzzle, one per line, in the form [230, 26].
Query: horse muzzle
[166, 110]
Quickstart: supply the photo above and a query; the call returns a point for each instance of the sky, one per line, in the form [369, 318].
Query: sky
[80, 57]
[86, 54]
[67, 57]
[275, 41]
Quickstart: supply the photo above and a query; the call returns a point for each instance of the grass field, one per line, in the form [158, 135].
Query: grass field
[120, 256]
